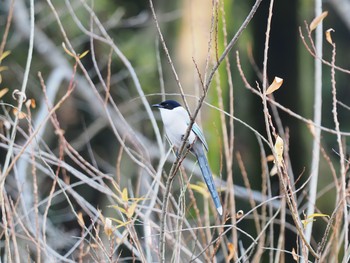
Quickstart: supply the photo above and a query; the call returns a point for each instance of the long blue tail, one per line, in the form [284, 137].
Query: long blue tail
[208, 177]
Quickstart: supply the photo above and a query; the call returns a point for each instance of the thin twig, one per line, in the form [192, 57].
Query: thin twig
[7, 28]
[165, 48]
[343, 187]
[6, 165]
[248, 186]
[228, 137]
[268, 124]
[288, 111]
[315, 53]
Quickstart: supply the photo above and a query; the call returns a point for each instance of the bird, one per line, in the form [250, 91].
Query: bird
[176, 121]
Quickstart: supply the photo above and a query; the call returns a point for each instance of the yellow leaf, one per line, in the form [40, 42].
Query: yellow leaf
[116, 187]
[317, 20]
[124, 224]
[200, 189]
[125, 195]
[131, 210]
[84, 54]
[317, 215]
[276, 84]
[138, 199]
[122, 210]
[305, 222]
[232, 250]
[21, 115]
[4, 55]
[279, 151]
[120, 223]
[117, 221]
[3, 92]
[328, 35]
[311, 217]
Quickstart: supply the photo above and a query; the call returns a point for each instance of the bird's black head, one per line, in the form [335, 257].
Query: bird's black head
[168, 104]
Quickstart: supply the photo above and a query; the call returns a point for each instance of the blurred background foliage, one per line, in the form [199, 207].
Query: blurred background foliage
[186, 26]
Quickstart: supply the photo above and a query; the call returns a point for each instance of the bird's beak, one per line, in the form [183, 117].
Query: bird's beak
[156, 105]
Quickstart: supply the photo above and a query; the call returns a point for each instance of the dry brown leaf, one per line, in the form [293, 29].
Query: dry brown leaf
[33, 103]
[311, 127]
[295, 255]
[81, 219]
[273, 170]
[239, 214]
[131, 210]
[3, 92]
[276, 84]
[232, 250]
[28, 104]
[94, 245]
[279, 151]
[270, 158]
[328, 35]
[108, 227]
[7, 125]
[21, 115]
[4, 55]
[317, 20]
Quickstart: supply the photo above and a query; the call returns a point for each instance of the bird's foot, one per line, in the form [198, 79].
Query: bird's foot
[188, 145]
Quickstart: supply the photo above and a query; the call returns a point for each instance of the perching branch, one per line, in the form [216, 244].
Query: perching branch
[180, 157]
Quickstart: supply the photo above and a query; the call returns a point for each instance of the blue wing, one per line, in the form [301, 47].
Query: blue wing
[200, 135]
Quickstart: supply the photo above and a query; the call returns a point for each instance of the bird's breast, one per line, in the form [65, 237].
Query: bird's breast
[175, 127]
